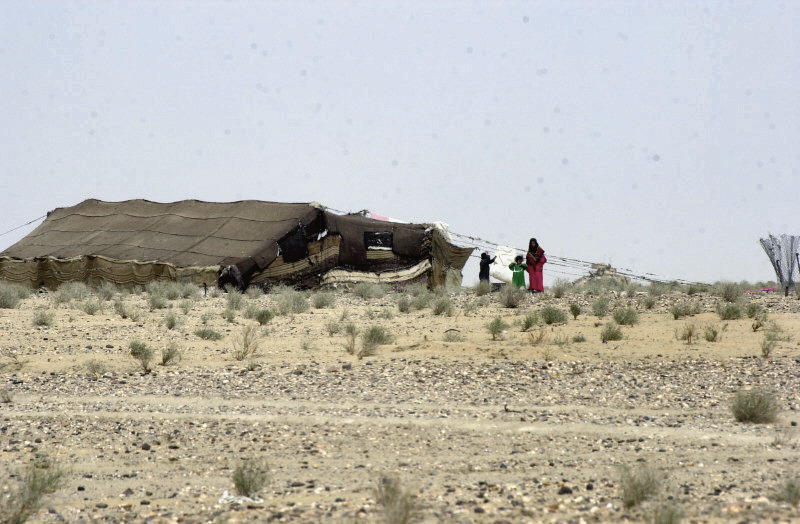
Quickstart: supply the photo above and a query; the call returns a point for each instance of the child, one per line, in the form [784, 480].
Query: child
[518, 270]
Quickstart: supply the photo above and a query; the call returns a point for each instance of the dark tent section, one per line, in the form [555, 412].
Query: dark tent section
[248, 242]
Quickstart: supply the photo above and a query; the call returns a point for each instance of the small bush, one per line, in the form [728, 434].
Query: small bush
[637, 485]
[560, 340]
[611, 332]
[263, 316]
[234, 299]
[69, 291]
[95, 369]
[649, 302]
[41, 478]
[185, 306]
[688, 333]
[121, 309]
[351, 332]
[752, 310]
[625, 317]
[574, 310]
[729, 311]
[484, 287]
[511, 297]
[496, 327]
[453, 335]
[712, 333]
[322, 300]
[250, 477]
[245, 344]
[292, 301]
[229, 314]
[579, 338]
[403, 304]
[207, 333]
[530, 320]
[443, 306]
[373, 337]
[755, 406]
[537, 336]
[680, 310]
[399, 504]
[559, 287]
[552, 315]
[106, 291]
[332, 327]
[254, 292]
[600, 307]
[9, 298]
[43, 318]
[170, 320]
[728, 291]
[157, 302]
[789, 492]
[171, 354]
[671, 513]
[368, 290]
[143, 354]
[91, 307]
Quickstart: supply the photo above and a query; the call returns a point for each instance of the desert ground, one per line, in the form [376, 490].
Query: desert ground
[536, 423]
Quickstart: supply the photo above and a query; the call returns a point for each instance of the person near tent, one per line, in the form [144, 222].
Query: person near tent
[483, 274]
[535, 261]
[518, 272]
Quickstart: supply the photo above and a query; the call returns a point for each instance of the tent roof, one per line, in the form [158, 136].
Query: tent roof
[184, 233]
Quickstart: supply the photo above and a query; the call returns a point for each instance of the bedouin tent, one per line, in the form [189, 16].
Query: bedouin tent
[244, 243]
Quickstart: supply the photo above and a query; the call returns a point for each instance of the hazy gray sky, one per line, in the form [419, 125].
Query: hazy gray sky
[660, 137]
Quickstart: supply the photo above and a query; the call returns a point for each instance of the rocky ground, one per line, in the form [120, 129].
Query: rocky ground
[480, 430]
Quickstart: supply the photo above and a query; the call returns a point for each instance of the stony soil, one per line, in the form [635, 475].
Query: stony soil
[480, 430]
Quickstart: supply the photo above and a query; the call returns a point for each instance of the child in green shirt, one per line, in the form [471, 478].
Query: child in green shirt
[518, 272]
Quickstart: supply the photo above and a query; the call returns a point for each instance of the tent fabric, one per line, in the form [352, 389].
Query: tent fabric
[136, 241]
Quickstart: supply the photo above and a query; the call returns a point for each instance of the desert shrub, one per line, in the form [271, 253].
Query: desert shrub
[600, 307]
[484, 287]
[185, 306]
[537, 336]
[729, 311]
[69, 291]
[95, 368]
[373, 337]
[574, 310]
[106, 291]
[789, 492]
[250, 311]
[530, 320]
[171, 354]
[759, 320]
[9, 298]
[42, 317]
[752, 310]
[639, 484]
[351, 334]
[625, 317]
[453, 335]
[121, 309]
[559, 287]
[657, 289]
[5, 398]
[262, 316]
[403, 304]
[322, 300]
[155, 301]
[90, 307]
[245, 344]
[688, 333]
[369, 290]
[579, 338]
[511, 297]
[560, 340]
[693, 289]
[712, 333]
[254, 292]
[421, 300]
[332, 327]
[416, 289]
[680, 310]
[727, 291]
[755, 406]
[229, 314]
[496, 327]
[292, 301]
[611, 331]
[552, 315]
[399, 504]
[207, 333]
[41, 478]
[648, 302]
[142, 353]
[443, 306]
[234, 299]
[250, 477]
[670, 513]
[387, 314]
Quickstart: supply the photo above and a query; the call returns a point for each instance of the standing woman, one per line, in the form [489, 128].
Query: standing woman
[535, 260]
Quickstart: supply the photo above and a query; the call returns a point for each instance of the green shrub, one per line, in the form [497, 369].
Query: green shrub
[262, 316]
[712, 333]
[728, 291]
[670, 513]
[729, 311]
[9, 298]
[106, 291]
[511, 297]
[69, 291]
[530, 320]
[399, 504]
[688, 333]
[648, 302]
[752, 310]
[579, 338]
[625, 317]
[351, 334]
[250, 477]
[292, 301]
[559, 287]
[789, 492]
[234, 299]
[552, 315]
[484, 287]
[43, 318]
[322, 300]
[91, 307]
[373, 337]
[611, 332]
[369, 290]
[143, 354]
[443, 306]
[574, 310]
[207, 334]
[245, 344]
[680, 310]
[496, 327]
[755, 406]
[157, 302]
[171, 354]
[403, 304]
[639, 484]
[600, 307]
[41, 478]
[421, 300]
[453, 335]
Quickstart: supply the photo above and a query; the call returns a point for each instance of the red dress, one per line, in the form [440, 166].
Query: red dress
[535, 263]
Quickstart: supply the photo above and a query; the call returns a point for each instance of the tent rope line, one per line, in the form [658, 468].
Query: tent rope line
[23, 225]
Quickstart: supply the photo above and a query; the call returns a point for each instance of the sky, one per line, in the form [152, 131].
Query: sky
[658, 137]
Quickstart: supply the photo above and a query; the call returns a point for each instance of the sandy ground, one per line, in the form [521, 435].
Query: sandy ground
[480, 430]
